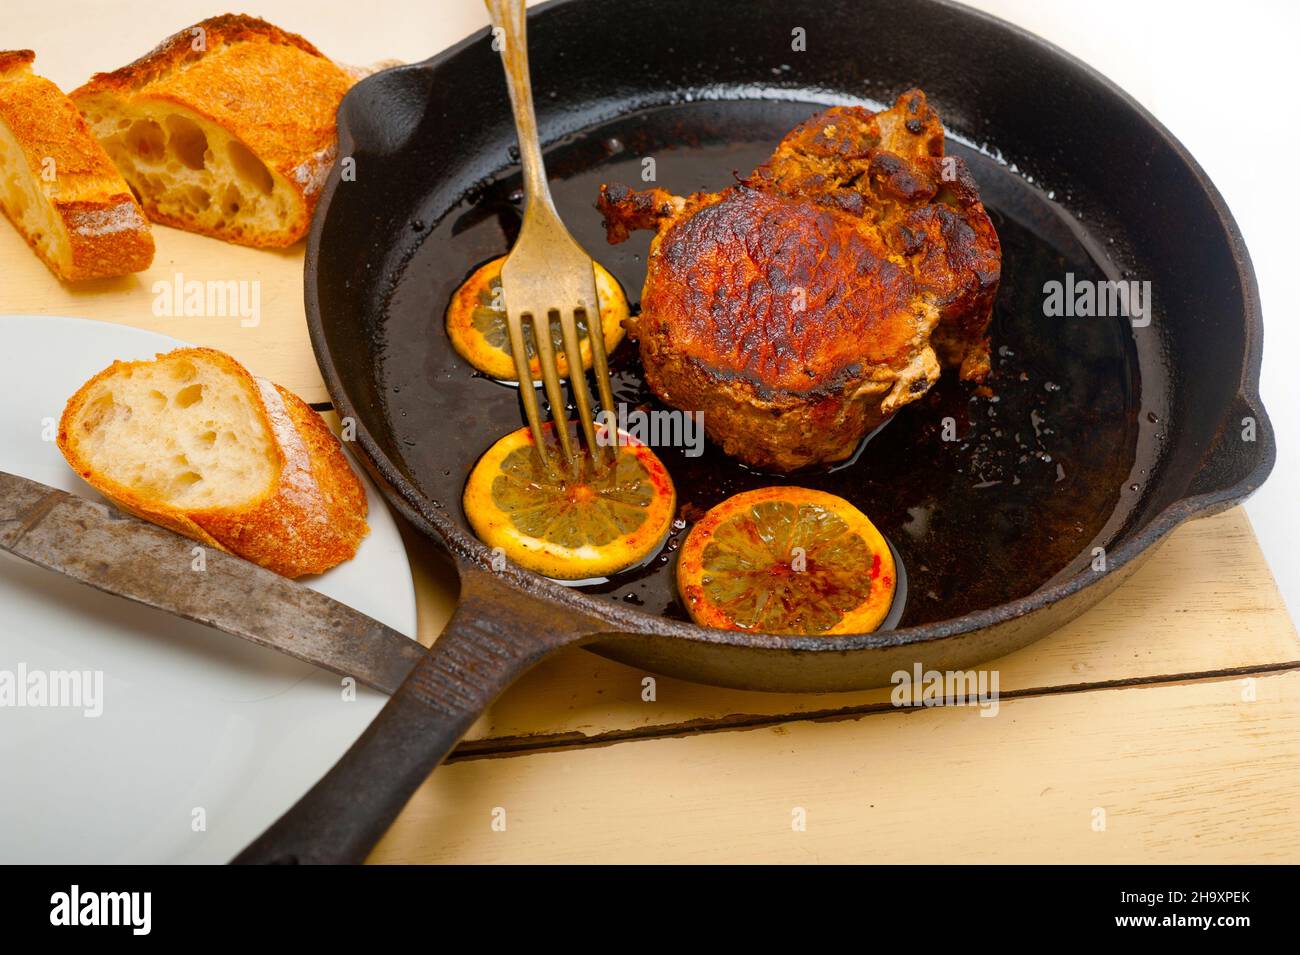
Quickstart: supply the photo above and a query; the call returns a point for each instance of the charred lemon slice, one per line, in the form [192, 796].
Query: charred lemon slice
[786, 560]
[476, 324]
[612, 513]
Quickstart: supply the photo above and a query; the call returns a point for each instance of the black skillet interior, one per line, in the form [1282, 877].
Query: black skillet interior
[1094, 427]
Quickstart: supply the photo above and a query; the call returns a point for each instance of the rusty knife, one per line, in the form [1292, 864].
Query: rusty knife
[120, 554]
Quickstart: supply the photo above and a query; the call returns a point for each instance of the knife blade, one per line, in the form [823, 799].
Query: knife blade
[117, 553]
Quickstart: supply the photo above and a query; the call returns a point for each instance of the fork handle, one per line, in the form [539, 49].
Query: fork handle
[510, 18]
[495, 635]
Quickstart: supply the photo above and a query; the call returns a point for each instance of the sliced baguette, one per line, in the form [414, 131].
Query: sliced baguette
[58, 186]
[195, 443]
[226, 128]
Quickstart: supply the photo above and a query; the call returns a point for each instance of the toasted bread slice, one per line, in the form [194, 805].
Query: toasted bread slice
[195, 443]
[58, 186]
[227, 128]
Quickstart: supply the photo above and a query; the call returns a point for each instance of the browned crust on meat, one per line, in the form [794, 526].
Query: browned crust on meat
[776, 432]
[793, 297]
[103, 231]
[805, 305]
[890, 169]
[625, 211]
[786, 323]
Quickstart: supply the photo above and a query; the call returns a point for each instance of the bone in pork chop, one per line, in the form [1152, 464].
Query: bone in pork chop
[803, 306]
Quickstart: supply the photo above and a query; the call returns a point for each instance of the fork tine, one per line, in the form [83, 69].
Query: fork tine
[599, 360]
[578, 378]
[527, 391]
[551, 376]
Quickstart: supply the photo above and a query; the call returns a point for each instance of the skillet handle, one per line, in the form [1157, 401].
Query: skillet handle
[496, 633]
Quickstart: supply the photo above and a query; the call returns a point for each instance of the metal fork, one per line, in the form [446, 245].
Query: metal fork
[547, 274]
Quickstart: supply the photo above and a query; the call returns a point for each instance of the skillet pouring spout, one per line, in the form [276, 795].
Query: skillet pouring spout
[496, 634]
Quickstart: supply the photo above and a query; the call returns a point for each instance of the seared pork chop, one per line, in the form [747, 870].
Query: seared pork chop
[801, 307]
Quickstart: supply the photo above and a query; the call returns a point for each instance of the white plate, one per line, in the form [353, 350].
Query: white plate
[204, 738]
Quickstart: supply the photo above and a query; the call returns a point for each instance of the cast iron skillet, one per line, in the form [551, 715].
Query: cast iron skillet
[1103, 436]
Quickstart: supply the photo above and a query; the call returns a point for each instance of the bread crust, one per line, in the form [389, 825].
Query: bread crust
[311, 518]
[267, 88]
[101, 230]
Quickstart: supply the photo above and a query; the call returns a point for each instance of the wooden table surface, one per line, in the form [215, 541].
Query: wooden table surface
[1163, 725]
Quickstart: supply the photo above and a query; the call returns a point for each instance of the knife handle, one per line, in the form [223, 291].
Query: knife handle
[496, 634]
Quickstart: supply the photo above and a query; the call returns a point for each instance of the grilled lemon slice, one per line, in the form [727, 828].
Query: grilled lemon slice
[786, 560]
[613, 513]
[476, 324]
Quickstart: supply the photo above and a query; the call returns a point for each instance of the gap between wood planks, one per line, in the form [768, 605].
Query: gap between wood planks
[506, 746]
